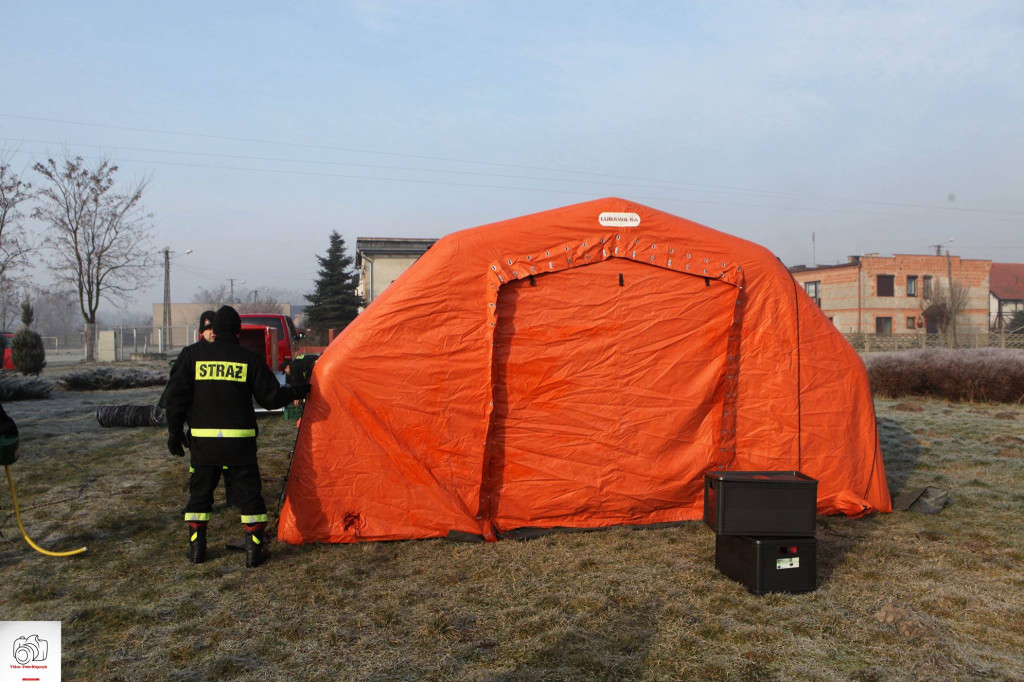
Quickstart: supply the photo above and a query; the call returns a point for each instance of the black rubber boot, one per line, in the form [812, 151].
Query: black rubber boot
[256, 553]
[196, 542]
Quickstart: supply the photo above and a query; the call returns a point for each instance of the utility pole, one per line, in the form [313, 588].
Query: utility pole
[232, 281]
[952, 307]
[167, 290]
[814, 252]
[167, 293]
[951, 330]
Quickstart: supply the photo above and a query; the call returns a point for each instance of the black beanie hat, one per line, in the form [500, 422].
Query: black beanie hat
[206, 320]
[227, 322]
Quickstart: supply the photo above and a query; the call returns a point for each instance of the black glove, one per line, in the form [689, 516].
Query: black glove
[301, 390]
[177, 441]
[8, 449]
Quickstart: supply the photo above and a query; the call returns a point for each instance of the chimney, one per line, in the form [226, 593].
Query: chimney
[853, 259]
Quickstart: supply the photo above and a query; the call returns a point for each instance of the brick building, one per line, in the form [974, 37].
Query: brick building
[875, 294]
[1006, 288]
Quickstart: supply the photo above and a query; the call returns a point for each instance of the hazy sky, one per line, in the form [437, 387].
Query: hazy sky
[878, 126]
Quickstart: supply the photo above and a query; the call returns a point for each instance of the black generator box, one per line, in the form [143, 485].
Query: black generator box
[782, 503]
[769, 564]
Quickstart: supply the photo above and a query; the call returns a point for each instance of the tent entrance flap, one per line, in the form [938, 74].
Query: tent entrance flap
[608, 389]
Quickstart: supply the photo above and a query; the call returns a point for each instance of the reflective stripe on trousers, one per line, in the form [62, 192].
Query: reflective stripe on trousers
[223, 433]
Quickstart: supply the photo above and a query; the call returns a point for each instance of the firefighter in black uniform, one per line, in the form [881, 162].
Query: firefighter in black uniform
[213, 392]
[300, 370]
[205, 336]
[9, 441]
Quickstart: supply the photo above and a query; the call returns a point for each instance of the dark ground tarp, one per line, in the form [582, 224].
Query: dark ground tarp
[130, 415]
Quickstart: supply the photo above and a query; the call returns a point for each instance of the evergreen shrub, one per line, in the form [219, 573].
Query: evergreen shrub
[27, 352]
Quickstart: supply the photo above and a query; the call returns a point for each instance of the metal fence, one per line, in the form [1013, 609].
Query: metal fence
[121, 343]
[868, 343]
[128, 343]
[66, 342]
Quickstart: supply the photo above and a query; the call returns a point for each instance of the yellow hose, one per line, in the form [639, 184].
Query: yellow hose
[17, 515]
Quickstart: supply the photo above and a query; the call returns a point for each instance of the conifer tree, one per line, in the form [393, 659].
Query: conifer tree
[334, 302]
[28, 313]
[1016, 323]
[27, 352]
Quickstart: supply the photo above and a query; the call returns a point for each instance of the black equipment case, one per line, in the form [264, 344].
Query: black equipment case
[768, 564]
[761, 503]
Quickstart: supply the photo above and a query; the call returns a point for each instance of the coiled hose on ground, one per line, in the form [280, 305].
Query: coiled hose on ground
[17, 515]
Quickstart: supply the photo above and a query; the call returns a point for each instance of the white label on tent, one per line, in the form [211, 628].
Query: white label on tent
[608, 219]
[791, 562]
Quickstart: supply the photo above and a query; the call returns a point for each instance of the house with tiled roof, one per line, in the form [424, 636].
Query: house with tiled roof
[1006, 292]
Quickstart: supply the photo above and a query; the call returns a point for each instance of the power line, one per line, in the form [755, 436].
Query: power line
[1000, 248]
[676, 200]
[244, 157]
[724, 188]
[214, 275]
[322, 147]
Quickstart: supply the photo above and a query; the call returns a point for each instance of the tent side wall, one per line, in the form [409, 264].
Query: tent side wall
[839, 430]
[804, 399]
[383, 452]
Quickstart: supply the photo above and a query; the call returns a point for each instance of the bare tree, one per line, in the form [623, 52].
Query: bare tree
[944, 304]
[259, 303]
[215, 296]
[10, 303]
[124, 318]
[15, 245]
[14, 242]
[98, 237]
[56, 312]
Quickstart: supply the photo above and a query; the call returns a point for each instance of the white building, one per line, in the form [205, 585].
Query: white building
[380, 260]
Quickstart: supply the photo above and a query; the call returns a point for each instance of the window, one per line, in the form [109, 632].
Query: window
[911, 285]
[926, 286]
[813, 290]
[883, 325]
[911, 322]
[886, 285]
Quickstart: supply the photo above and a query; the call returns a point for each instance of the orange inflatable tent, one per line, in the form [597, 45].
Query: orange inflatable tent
[576, 368]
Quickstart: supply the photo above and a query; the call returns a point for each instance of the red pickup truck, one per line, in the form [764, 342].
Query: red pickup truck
[282, 328]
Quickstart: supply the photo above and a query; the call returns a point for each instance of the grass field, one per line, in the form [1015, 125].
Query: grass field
[614, 604]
